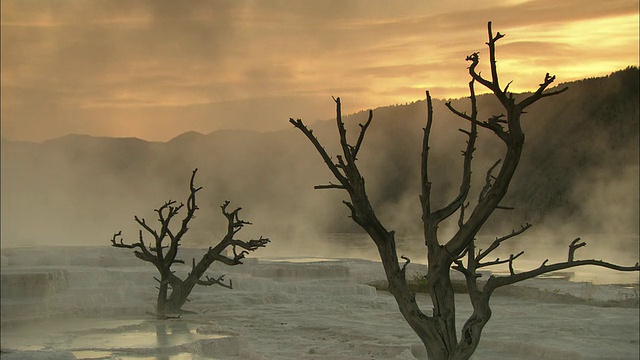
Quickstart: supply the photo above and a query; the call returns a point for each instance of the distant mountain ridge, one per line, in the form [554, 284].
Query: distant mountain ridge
[580, 166]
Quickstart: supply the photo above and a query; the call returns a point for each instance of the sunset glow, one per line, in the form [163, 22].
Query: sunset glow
[155, 69]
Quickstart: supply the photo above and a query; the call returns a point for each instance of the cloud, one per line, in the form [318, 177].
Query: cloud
[138, 59]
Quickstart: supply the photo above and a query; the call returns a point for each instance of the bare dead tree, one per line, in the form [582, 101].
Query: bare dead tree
[164, 250]
[438, 330]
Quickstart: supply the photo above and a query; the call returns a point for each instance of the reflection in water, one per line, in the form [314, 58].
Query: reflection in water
[142, 341]
[161, 334]
[178, 333]
[181, 356]
[39, 334]
[90, 354]
[166, 334]
[301, 260]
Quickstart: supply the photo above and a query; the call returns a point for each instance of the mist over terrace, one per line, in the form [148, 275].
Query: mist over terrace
[578, 178]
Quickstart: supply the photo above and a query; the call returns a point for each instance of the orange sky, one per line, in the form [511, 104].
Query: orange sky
[154, 69]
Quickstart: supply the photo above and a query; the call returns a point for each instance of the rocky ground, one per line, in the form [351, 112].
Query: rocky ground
[95, 305]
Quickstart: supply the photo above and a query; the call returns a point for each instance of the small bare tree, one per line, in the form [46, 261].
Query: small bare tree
[163, 253]
[438, 330]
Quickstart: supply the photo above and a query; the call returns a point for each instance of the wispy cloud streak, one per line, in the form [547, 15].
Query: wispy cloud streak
[92, 66]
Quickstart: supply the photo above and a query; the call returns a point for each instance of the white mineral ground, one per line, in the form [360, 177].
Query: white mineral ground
[91, 303]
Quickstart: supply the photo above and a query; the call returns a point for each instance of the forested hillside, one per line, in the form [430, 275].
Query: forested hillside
[579, 170]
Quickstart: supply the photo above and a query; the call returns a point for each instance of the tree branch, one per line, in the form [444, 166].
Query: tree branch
[251, 245]
[487, 181]
[495, 282]
[215, 281]
[465, 186]
[407, 261]
[548, 80]
[475, 60]
[142, 222]
[499, 240]
[461, 217]
[191, 210]
[425, 197]
[144, 254]
[330, 186]
[342, 132]
[492, 54]
[573, 247]
[489, 125]
[513, 139]
[327, 159]
[363, 129]
[497, 261]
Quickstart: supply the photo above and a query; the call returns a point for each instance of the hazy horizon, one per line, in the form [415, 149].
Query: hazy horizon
[287, 125]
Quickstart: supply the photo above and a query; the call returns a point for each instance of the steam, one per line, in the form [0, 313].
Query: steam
[81, 190]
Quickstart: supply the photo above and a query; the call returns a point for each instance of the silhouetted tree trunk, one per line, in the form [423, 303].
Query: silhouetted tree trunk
[438, 330]
[163, 254]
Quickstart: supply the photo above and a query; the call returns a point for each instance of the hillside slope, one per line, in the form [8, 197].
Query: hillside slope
[579, 171]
